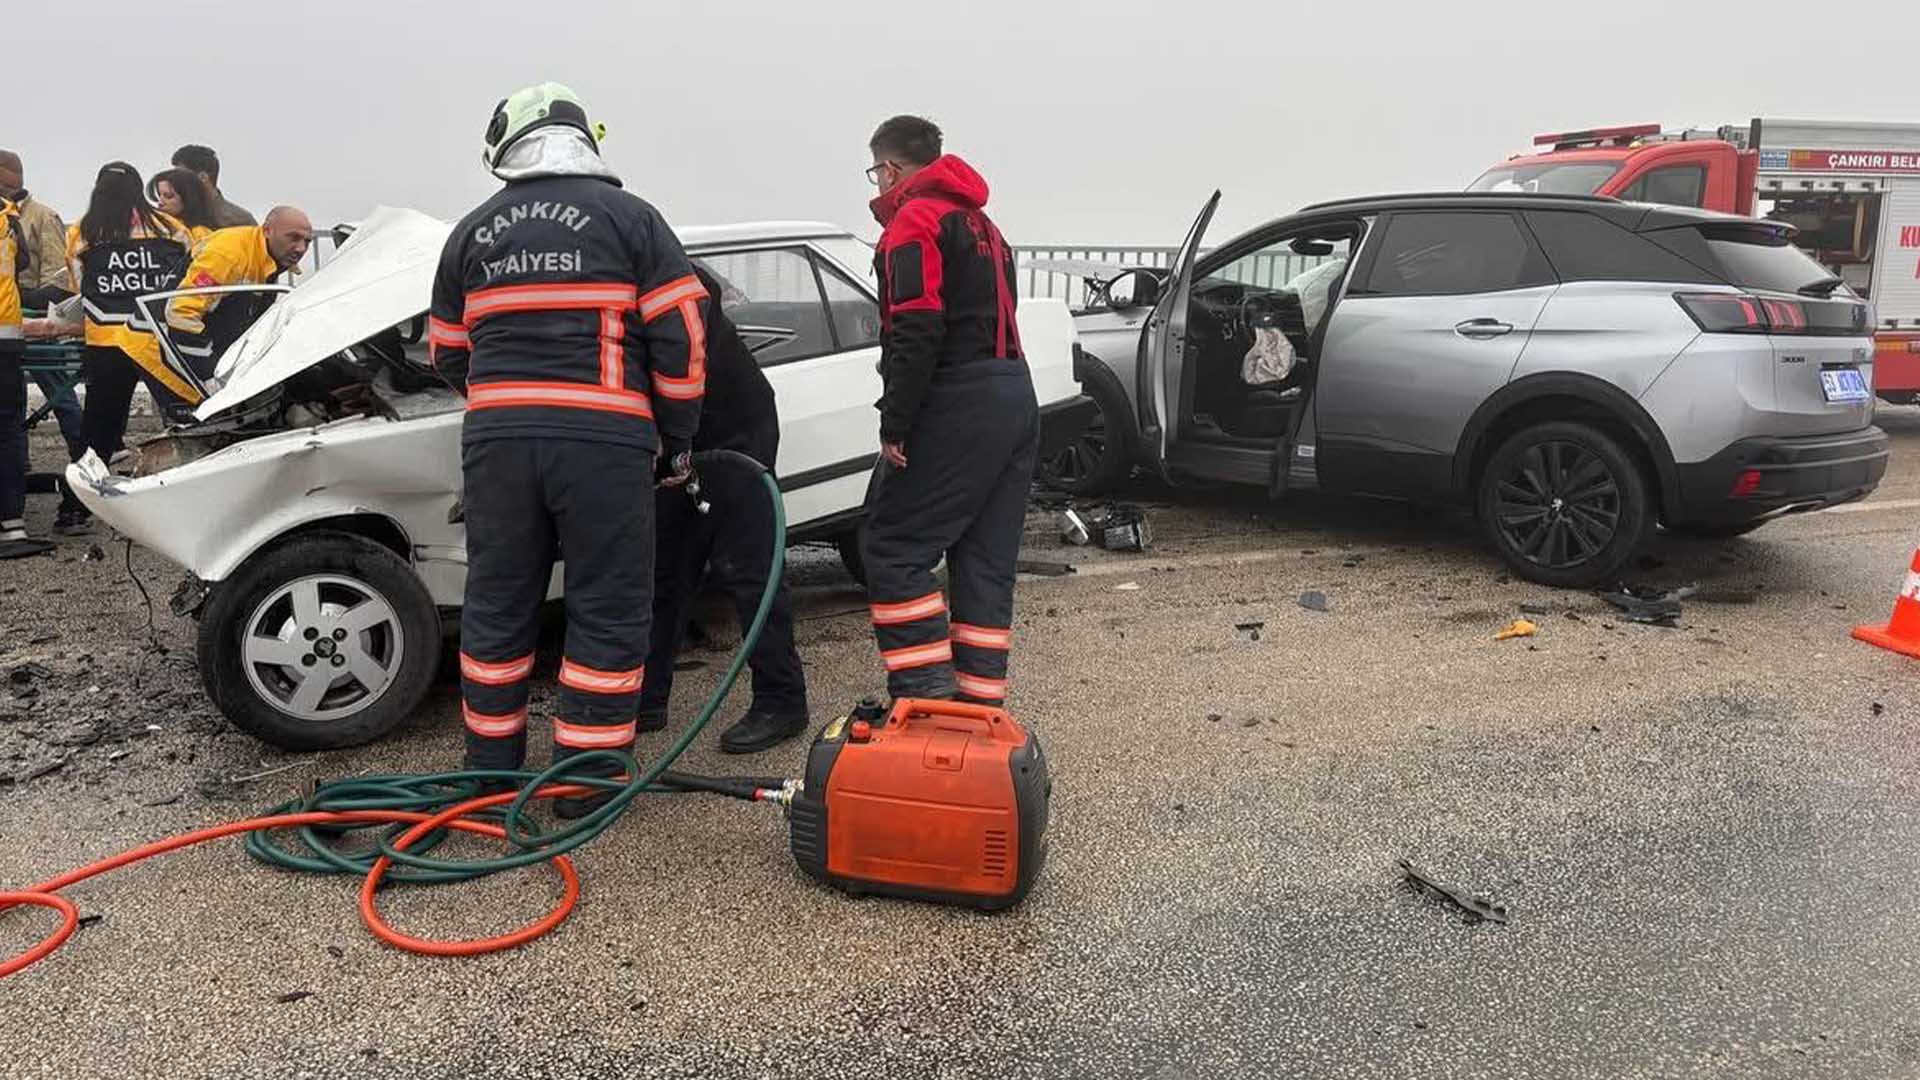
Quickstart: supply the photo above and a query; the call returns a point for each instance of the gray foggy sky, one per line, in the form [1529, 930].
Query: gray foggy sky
[1094, 122]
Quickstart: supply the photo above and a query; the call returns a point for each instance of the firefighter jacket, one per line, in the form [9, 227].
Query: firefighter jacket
[564, 306]
[111, 275]
[947, 288]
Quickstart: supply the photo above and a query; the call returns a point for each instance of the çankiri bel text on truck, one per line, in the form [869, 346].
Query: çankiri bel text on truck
[1851, 189]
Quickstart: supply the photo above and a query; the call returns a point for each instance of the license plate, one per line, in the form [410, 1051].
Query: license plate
[1843, 385]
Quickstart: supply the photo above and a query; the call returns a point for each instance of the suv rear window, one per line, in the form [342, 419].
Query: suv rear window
[1762, 259]
[1587, 247]
[1441, 253]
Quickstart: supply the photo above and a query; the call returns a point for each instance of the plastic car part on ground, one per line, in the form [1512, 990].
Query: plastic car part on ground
[1472, 908]
[1119, 527]
[1652, 607]
[1517, 629]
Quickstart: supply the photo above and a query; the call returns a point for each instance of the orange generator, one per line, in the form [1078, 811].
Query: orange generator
[933, 800]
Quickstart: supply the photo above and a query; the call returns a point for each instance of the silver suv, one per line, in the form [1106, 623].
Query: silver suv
[1578, 370]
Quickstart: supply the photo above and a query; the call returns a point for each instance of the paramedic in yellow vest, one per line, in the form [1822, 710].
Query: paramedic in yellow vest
[204, 325]
[121, 249]
[13, 390]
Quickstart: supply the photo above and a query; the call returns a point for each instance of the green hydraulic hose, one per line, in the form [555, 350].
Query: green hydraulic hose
[432, 792]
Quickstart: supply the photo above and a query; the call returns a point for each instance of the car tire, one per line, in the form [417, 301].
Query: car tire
[330, 601]
[1565, 504]
[848, 545]
[1097, 459]
[1725, 530]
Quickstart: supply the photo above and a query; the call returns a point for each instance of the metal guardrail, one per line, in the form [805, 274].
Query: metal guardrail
[1265, 269]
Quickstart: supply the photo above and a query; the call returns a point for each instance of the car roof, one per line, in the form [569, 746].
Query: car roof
[1638, 217]
[758, 232]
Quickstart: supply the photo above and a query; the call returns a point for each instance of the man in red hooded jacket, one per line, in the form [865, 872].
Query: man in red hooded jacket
[959, 426]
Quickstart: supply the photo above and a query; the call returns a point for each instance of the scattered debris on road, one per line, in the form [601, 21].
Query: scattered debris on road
[1073, 528]
[1040, 567]
[1519, 628]
[1536, 609]
[1123, 527]
[1127, 586]
[1471, 908]
[1315, 601]
[1649, 606]
[293, 996]
[1250, 630]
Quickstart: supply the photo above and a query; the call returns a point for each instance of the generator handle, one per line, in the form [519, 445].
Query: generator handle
[987, 718]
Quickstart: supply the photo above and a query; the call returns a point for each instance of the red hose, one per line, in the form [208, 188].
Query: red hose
[44, 894]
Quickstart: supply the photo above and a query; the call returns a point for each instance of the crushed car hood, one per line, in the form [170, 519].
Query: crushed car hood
[384, 275]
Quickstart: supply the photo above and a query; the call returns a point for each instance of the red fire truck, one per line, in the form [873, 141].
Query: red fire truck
[1852, 189]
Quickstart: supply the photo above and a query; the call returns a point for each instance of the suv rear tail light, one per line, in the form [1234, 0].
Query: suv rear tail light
[1725, 313]
[1740, 313]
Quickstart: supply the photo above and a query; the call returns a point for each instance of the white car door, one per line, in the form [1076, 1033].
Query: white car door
[816, 334]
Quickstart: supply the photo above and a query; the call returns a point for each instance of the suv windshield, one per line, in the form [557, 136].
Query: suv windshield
[1547, 178]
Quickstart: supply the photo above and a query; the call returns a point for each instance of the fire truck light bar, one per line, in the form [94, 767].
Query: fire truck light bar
[1596, 135]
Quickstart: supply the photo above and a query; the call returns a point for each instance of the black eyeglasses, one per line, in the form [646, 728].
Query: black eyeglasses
[873, 172]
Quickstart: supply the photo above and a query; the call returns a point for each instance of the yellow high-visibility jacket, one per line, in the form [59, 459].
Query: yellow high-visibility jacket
[13, 255]
[111, 275]
[236, 256]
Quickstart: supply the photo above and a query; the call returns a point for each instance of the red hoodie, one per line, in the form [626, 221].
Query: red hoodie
[945, 312]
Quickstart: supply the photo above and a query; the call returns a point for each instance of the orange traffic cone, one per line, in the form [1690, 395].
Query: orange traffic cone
[1902, 633]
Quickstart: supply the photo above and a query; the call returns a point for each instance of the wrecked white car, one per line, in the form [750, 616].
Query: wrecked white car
[316, 500]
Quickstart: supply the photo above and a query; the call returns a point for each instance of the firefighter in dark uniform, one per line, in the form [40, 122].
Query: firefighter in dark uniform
[730, 545]
[959, 426]
[566, 311]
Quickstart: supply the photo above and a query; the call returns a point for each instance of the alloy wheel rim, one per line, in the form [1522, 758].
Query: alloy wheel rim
[1559, 505]
[323, 647]
[1080, 458]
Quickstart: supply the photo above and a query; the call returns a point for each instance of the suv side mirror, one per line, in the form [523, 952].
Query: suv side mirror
[1132, 289]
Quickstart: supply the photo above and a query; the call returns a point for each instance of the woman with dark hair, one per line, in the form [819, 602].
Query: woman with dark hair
[180, 194]
[121, 249]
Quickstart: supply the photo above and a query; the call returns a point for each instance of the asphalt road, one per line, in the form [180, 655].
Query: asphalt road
[1707, 838]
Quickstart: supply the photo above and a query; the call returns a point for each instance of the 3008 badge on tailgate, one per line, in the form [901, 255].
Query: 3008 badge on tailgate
[1843, 384]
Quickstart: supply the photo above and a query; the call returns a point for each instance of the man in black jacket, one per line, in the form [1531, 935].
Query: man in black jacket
[731, 545]
[566, 311]
[959, 426]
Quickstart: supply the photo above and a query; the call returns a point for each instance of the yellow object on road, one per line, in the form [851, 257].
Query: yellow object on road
[1520, 628]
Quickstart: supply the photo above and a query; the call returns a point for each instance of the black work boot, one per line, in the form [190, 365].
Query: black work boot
[73, 517]
[651, 718]
[761, 729]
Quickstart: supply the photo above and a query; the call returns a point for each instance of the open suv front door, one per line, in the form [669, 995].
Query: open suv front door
[1164, 346]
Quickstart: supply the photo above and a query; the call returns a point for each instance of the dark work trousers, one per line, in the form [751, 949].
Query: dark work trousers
[731, 546]
[963, 495]
[66, 412]
[13, 413]
[111, 377]
[529, 501]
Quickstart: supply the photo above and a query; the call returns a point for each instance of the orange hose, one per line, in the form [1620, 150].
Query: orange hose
[45, 893]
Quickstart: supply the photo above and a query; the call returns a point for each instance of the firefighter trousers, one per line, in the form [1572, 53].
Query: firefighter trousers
[530, 501]
[962, 496]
